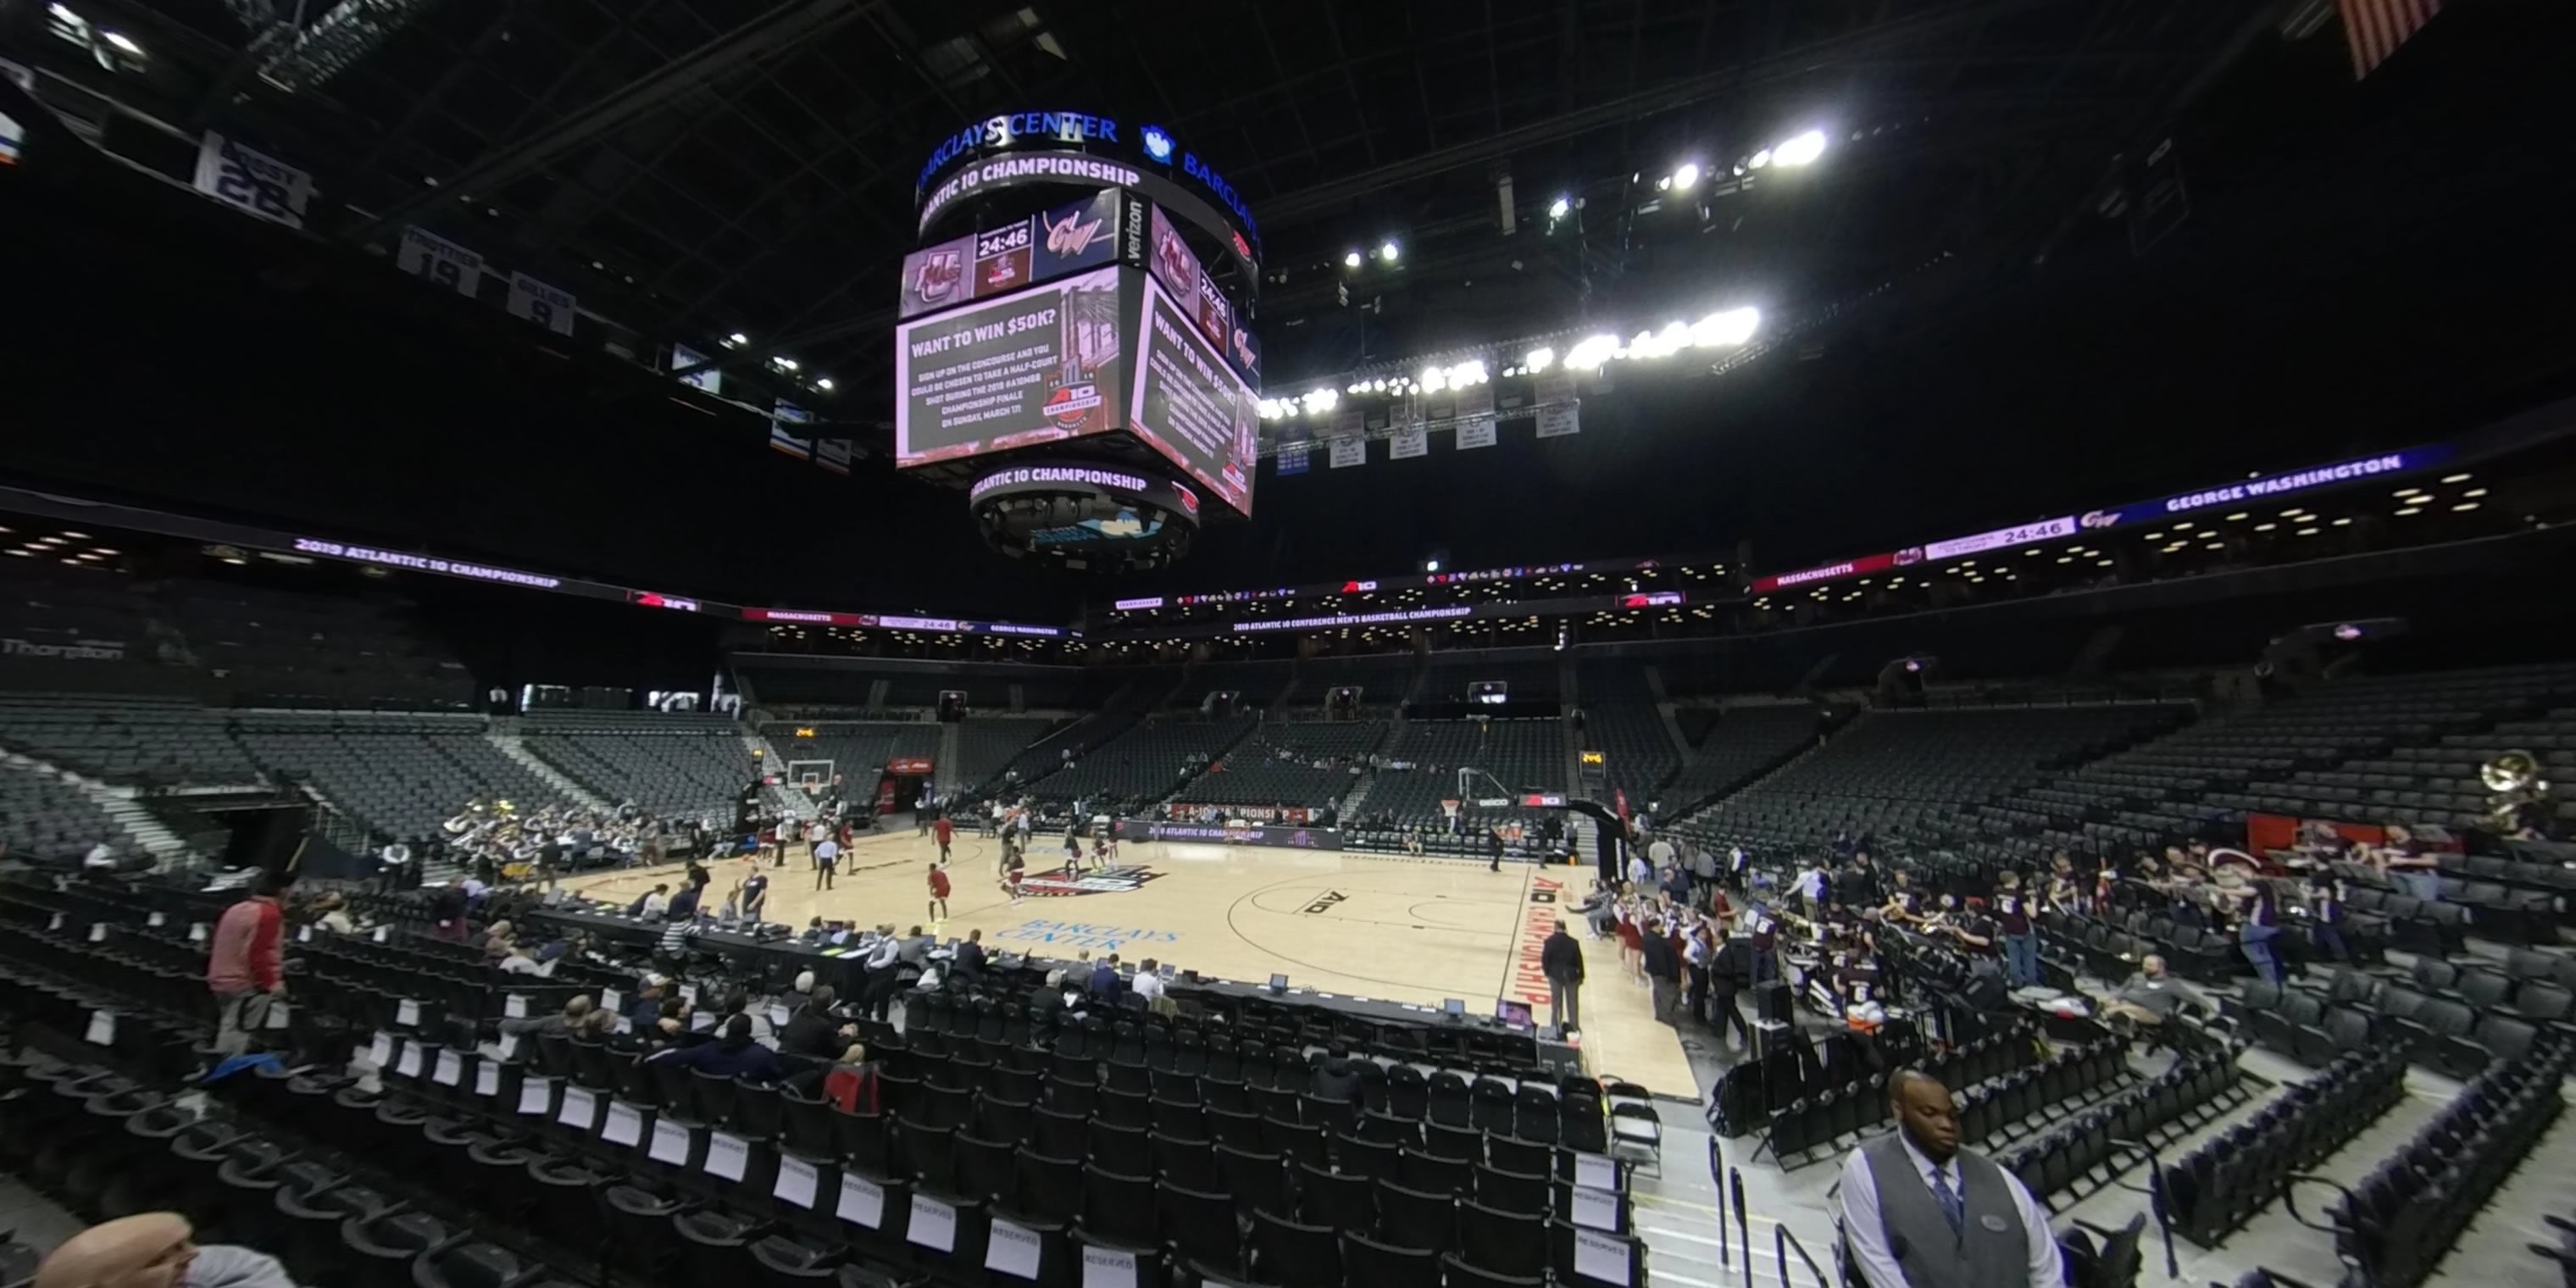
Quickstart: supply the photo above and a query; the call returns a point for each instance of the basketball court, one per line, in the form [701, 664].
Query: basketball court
[1390, 929]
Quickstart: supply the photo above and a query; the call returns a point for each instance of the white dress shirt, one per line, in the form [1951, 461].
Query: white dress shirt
[1148, 985]
[1867, 1234]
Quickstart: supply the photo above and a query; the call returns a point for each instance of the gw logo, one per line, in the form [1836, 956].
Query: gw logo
[1325, 904]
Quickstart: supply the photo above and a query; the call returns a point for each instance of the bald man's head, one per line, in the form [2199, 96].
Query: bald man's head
[1924, 1112]
[147, 1251]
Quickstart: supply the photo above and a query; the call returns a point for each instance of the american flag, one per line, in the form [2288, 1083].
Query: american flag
[2375, 28]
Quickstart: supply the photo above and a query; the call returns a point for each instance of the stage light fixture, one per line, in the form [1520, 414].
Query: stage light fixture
[1388, 252]
[1351, 260]
[823, 383]
[1593, 351]
[1685, 175]
[1758, 160]
[737, 340]
[1558, 208]
[122, 41]
[1727, 327]
[1539, 359]
[784, 362]
[1800, 149]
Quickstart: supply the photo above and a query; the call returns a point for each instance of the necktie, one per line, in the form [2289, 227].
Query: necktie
[1952, 1206]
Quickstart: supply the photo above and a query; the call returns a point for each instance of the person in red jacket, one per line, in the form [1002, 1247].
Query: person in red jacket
[939, 888]
[943, 829]
[246, 965]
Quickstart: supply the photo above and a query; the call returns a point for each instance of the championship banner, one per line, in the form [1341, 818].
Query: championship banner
[1408, 443]
[1348, 452]
[1558, 420]
[547, 306]
[1292, 459]
[1476, 431]
[707, 378]
[833, 454]
[252, 181]
[784, 426]
[1555, 385]
[1349, 419]
[426, 254]
[1475, 400]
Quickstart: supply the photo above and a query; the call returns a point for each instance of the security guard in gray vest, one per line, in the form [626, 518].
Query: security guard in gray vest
[1919, 1212]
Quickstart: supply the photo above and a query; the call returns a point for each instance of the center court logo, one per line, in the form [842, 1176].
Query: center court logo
[1085, 934]
[1103, 881]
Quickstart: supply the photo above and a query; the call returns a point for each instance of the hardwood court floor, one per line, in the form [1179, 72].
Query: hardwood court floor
[1346, 925]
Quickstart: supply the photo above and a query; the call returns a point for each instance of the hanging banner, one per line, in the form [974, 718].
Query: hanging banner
[1349, 419]
[1292, 459]
[1348, 452]
[1407, 442]
[252, 181]
[547, 306]
[426, 254]
[787, 432]
[1560, 419]
[1476, 431]
[13, 139]
[832, 454]
[1554, 386]
[1476, 400]
[708, 378]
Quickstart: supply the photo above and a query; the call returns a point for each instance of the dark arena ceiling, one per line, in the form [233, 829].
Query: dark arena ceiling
[1969, 317]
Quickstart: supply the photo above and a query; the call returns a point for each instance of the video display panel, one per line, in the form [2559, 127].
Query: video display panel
[1188, 403]
[1034, 366]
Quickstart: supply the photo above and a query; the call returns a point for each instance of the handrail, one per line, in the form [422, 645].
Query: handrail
[1782, 1244]
[2156, 1202]
[1743, 1224]
[1717, 1181]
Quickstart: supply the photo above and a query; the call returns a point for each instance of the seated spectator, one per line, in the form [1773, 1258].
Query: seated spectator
[155, 1250]
[647, 1003]
[496, 941]
[2152, 996]
[331, 913]
[523, 961]
[574, 1011]
[813, 1030]
[1337, 1079]
[733, 1055]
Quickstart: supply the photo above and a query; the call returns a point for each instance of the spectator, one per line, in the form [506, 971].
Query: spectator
[1104, 982]
[755, 894]
[1149, 982]
[827, 858]
[813, 1031]
[246, 964]
[2152, 997]
[575, 1010]
[968, 964]
[1663, 969]
[1561, 960]
[651, 904]
[155, 1250]
[733, 1055]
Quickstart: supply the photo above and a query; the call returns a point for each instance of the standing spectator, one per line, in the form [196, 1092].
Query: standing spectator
[1663, 970]
[1561, 959]
[939, 887]
[755, 894]
[827, 857]
[1733, 969]
[246, 964]
[779, 833]
[944, 830]
[2021, 943]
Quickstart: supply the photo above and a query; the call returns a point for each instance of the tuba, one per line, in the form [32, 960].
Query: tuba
[2516, 787]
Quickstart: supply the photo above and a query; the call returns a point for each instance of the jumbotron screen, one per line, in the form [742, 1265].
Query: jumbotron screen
[1102, 351]
[1034, 366]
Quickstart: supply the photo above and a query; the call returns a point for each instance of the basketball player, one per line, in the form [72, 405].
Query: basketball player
[1011, 876]
[938, 893]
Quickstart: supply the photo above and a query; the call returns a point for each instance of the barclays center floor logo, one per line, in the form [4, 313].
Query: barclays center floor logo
[1118, 880]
